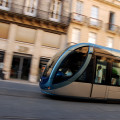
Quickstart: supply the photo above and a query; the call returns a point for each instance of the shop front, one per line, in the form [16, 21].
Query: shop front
[1, 64]
[20, 68]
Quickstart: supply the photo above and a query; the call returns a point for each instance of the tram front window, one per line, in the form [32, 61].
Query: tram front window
[49, 67]
[71, 65]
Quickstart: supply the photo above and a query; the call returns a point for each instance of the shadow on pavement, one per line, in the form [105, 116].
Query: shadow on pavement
[84, 100]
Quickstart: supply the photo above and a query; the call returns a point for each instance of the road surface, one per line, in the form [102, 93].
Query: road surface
[24, 101]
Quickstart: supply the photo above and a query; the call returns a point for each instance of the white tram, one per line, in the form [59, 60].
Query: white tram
[84, 70]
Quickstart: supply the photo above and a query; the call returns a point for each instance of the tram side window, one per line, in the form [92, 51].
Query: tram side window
[101, 65]
[115, 76]
[87, 75]
[71, 65]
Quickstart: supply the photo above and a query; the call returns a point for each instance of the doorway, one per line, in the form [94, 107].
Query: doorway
[20, 68]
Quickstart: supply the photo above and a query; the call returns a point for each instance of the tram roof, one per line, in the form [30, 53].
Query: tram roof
[112, 50]
[97, 46]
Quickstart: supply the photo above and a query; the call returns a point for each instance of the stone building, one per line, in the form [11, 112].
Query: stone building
[95, 21]
[31, 32]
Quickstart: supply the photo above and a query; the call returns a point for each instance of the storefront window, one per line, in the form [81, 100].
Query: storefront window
[42, 65]
[20, 68]
[1, 65]
[1, 60]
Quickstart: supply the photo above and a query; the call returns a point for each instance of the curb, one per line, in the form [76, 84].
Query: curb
[19, 82]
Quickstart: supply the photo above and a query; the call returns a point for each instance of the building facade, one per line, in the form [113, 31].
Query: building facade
[95, 21]
[31, 32]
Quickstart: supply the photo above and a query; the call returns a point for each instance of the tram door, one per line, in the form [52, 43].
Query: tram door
[99, 88]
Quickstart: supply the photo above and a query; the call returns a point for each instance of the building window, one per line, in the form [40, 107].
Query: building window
[78, 13]
[75, 35]
[94, 16]
[109, 42]
[55, 10]
[111, 21]
[5, 4]
[92, 38]
[30, 7]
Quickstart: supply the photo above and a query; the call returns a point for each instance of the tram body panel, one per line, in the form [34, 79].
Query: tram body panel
[99, 91]
[48, 92]
[75, 89]
[113, 92]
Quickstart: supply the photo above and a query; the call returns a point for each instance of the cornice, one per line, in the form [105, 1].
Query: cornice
[111, 3]
[32, 22]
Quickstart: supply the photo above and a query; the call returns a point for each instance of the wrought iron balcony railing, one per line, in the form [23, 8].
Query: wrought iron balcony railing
[39, 14]
[78, 17]
[94, 22]
[112, 28]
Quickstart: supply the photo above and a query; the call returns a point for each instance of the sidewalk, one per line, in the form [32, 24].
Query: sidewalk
[20, 81]
[19, 88]
[19, 85]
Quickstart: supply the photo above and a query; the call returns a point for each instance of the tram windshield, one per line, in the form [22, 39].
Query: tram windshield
[52, 62]
[71, 65]
[50, 66]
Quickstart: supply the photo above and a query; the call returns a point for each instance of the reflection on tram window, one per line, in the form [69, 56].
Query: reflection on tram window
[101, 66]
[71, 65]
[115, 77]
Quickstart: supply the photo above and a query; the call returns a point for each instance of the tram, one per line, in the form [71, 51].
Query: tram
[83, 70]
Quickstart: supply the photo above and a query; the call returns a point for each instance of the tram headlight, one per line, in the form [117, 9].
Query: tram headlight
[48, 88]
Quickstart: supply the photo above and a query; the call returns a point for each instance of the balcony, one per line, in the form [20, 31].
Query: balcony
[94, 23]
[36, 14]
[112, 28]
[78, 18]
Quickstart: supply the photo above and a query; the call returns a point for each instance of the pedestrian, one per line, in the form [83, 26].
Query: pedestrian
[99, 75]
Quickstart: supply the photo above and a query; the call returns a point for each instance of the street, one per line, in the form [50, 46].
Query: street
[24, 101]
